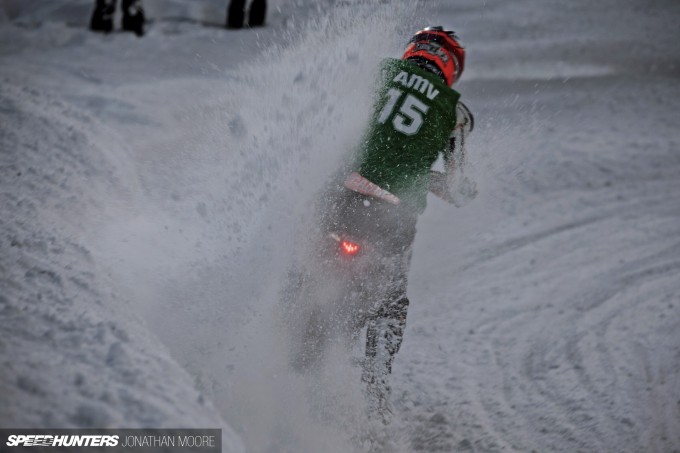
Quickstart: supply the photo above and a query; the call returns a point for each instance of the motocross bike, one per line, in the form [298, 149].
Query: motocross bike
[351, 276]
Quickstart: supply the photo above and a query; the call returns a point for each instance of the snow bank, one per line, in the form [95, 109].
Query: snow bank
[75, 352]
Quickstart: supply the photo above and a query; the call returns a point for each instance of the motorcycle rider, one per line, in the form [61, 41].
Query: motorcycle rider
[417, 117]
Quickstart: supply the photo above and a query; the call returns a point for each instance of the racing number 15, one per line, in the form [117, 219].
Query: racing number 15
[409, 118]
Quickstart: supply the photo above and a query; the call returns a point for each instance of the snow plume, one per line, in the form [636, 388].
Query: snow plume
[227, 201]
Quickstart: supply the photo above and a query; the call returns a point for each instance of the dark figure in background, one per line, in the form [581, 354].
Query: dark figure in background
[133, 16]
[237, 9]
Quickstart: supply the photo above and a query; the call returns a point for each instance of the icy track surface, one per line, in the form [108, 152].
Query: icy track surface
[153, 190]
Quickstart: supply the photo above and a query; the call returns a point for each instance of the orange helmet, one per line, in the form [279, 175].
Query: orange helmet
[439, 51]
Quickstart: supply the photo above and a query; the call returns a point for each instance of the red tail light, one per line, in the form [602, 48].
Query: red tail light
[349, 248]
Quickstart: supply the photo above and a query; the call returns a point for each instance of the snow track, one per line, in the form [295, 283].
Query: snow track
[559, 351]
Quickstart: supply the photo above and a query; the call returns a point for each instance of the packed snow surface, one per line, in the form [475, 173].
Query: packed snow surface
[154, 189]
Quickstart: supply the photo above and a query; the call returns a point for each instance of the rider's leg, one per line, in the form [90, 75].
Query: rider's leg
[384, 335]
[383, 340]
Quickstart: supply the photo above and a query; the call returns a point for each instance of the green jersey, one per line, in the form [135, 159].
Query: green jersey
[415, 113]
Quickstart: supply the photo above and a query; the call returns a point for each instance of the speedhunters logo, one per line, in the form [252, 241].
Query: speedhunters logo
[46, 440]
[111, 440]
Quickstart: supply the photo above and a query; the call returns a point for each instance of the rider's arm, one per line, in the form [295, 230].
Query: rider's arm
[454, 156]
[453, 186]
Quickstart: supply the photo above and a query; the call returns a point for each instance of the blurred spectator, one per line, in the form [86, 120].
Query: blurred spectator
[237, 9]
[133, 16]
